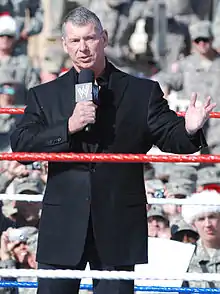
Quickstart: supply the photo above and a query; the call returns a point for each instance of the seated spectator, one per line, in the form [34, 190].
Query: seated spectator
[158, 223]
[28, 213]
[208, 179]
[18, 250]
[182, 171]
[9, 90]
[29, 17]
[51, 65]
[183, 232]
[19, 67]
[178, 188]
[206, 220]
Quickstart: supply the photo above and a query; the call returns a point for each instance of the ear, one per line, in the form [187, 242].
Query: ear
[64, 45]
[105, 38]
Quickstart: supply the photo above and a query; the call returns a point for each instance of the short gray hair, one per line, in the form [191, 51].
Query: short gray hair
[81, 16]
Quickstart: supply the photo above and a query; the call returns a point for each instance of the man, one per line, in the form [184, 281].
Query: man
[206, 220]
[99, 209]
[29, 17]
[28, 213]
[51, 64]
[208, 179]
[20, 67]
[204, 66]
[158, 222]
[183, 232]
[18, 251]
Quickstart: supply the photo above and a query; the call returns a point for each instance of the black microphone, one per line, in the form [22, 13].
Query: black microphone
[86, 90]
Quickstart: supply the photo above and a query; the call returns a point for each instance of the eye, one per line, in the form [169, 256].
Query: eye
[74, 41]
[90, 38]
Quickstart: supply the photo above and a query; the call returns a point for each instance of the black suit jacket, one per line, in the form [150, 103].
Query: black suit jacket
[132, 116]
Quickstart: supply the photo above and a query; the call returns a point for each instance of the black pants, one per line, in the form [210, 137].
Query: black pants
[71, 286]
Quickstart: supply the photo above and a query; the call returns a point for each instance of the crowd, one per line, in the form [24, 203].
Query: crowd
[184, 58]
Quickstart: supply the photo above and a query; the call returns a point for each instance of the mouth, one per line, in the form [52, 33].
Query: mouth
[85, 58]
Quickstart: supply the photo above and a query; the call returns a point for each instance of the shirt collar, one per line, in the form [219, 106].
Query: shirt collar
[103, 79]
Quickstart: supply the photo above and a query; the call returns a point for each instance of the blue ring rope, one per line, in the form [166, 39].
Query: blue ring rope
[11, 284]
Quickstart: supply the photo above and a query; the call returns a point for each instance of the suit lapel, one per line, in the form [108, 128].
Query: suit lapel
[66, 88]
[118, 83]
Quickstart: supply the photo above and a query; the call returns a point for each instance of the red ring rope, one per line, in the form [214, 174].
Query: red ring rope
[21, 111]
[102, 157]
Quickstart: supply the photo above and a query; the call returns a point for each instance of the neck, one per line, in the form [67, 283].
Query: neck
[209, 55]
[215, 244]
[4, 53]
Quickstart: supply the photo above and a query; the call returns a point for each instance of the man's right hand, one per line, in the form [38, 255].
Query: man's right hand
[83, 114]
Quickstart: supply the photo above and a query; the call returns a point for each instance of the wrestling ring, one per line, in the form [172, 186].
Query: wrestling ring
[6, 274]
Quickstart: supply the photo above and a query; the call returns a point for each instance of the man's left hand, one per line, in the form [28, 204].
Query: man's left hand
[196, 116]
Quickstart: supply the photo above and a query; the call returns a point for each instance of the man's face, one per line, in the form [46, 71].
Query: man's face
[21, 252]
[208, 227]
[85, 46]
[202, 45]
[156, 224]
[6, 42]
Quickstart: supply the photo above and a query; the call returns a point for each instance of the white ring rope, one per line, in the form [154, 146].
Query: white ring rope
[107, 275]
[186, 201]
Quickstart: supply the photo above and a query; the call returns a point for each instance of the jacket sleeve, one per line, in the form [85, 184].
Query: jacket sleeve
[168, 130]
[33, 134]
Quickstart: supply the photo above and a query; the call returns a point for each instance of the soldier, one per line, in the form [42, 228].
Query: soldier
[18, 67]
[18, 250]
[158, 223]
[206, 220]
[199, 72]
[29, 18]
[183, 232]
[51, 65]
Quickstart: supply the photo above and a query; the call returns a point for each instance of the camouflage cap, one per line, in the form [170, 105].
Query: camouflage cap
[180, 187]
[22, 234]
[179, 171]
[156, 210]
[181, 225]
[208, 175]
[53, 60]
[201, 29]
[154, 184]
[29, 183]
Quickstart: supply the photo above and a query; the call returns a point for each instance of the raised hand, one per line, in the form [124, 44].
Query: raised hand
[196, 116]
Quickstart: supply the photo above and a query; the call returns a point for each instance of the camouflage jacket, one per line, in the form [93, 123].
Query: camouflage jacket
[201, 259]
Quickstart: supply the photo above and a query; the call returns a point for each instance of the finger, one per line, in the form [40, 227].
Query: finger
[207, 102]
[210, 107]
[193, 99]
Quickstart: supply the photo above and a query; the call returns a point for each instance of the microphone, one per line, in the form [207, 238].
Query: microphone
[86, 90]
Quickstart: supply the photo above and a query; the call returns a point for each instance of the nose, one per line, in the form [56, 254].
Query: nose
[207, 222]
[82, 45]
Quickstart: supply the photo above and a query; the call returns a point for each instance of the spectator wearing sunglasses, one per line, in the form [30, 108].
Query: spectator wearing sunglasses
[18, 67]
[198, 72]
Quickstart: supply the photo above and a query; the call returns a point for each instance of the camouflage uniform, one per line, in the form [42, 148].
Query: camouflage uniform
[193, 75]
[22, 72]
[212, 264]
[33, 24]
[30, 234]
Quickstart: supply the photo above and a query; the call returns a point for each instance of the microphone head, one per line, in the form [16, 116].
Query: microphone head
[86, 76]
